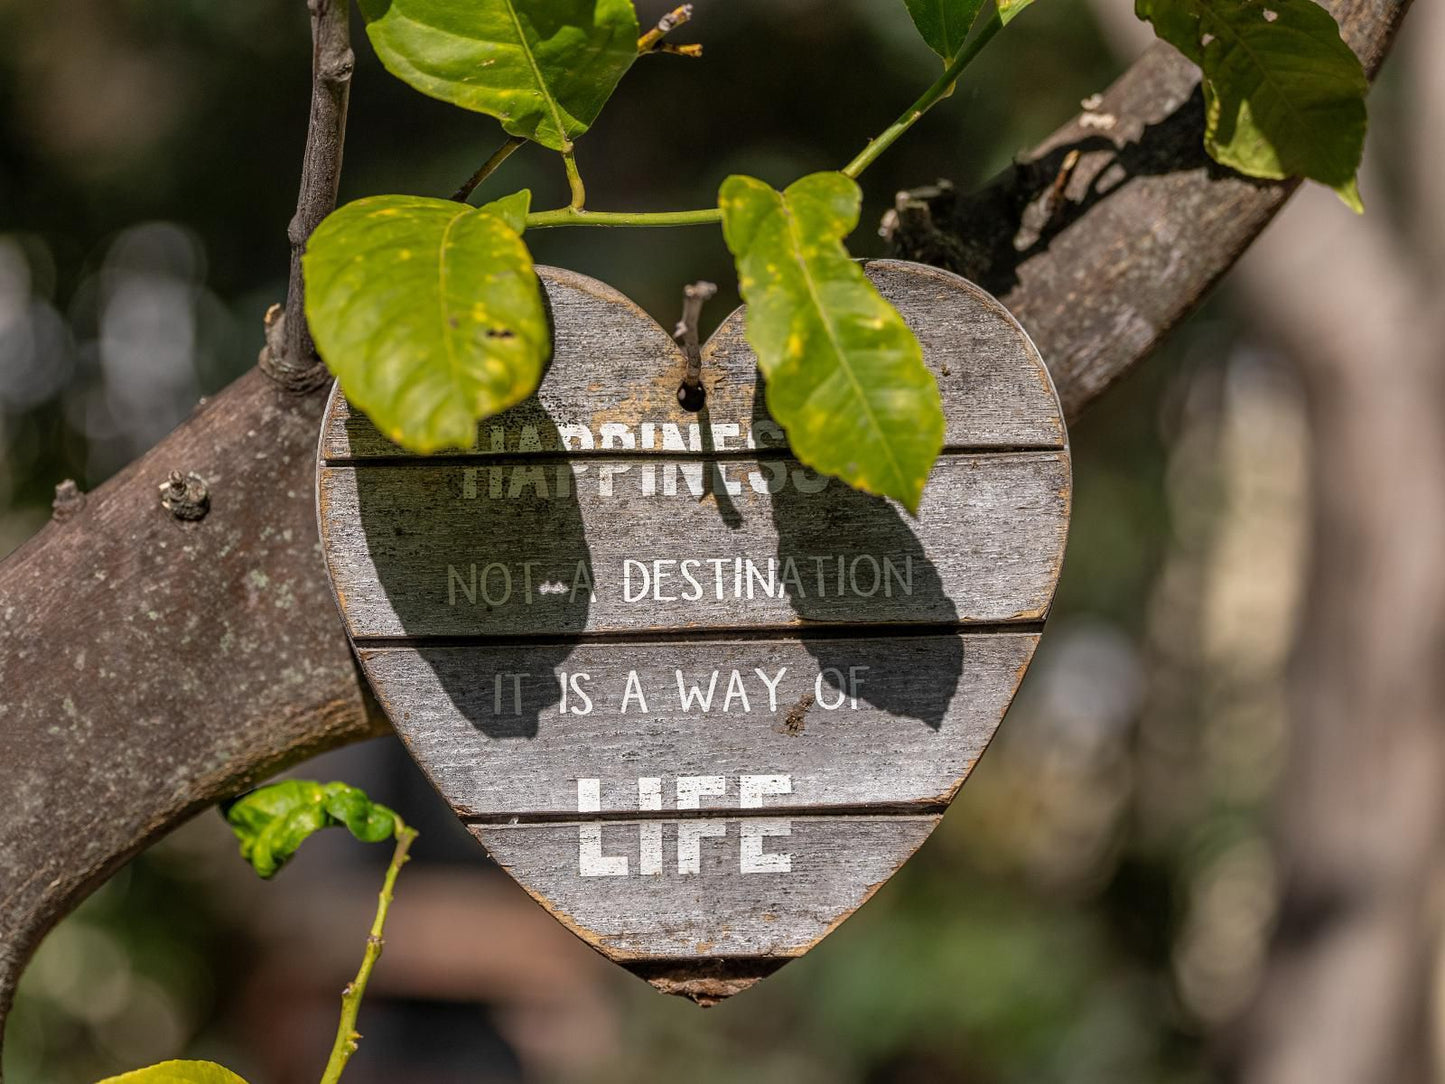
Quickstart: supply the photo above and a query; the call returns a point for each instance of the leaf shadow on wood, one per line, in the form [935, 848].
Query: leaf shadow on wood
[528, 545]
[838, 521]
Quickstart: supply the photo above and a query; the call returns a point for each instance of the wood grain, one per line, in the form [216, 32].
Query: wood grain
[904, 739]
[837, 863]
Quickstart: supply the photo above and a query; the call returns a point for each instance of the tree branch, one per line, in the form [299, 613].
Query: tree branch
[289, 355]
[150, 667]
[1148, 224]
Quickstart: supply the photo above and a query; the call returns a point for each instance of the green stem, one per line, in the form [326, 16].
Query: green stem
[931, 97]
[574, 178]
[346, 1034]
[573, 216]
[577, 215]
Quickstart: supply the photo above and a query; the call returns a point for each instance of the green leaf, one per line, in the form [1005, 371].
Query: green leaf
[178, 1072]
[1284, 95]
[273, 821]
[544, 68]
[944, 24]
[429, 313]
[1009, 10]
[845, 375]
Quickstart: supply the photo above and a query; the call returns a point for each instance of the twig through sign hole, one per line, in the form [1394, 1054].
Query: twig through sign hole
[690, 393]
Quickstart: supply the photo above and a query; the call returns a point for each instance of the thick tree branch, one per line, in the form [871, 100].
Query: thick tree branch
[149, 667]
[290, 355]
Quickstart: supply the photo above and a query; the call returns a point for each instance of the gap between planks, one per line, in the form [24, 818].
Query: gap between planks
[779, 634]
[672, 455]
[890, 812]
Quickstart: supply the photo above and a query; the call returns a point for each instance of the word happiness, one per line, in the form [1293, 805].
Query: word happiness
[689, 579]
[558, 480]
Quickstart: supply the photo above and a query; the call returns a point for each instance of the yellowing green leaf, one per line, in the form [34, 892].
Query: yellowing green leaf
[178, 1072]
[1009, 10]
[944, 24]
[273, 821]
[429, 313]
[1284, 96]
[544, 68]
[845, 375]
[511, 209]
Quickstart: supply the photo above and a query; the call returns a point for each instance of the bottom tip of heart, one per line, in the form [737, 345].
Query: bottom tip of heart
[704, 982]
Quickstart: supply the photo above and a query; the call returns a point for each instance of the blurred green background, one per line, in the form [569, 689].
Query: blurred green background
[1095, 907]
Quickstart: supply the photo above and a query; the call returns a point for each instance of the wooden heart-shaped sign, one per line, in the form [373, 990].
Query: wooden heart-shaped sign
[698, 700]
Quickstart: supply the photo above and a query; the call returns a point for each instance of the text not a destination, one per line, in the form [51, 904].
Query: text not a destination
[693, 579]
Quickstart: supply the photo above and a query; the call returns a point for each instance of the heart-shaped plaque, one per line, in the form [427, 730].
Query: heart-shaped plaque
[698, 700]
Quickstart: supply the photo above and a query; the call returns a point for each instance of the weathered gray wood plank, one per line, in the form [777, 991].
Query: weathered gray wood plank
[835, 864]
[848, 722]
[428, 551]
[613, 365]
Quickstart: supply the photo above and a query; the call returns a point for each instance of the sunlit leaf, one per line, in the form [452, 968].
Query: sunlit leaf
[1284, 96]
[1009, 10]
[511, 209]
[845, 375]
[273, 821]
[944, 24]
[544, 68]
[178, 1072]
[429, 313]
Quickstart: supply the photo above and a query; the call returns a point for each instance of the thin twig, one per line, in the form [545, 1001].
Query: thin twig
[490, 166]
[690, 393]
[347, 1036]
[941, 89]
[650, 41]
[290, 357]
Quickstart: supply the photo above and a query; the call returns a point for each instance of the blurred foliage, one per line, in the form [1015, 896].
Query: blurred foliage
[1093, 901]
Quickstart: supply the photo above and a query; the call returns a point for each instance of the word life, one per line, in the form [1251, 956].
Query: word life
[690, 791]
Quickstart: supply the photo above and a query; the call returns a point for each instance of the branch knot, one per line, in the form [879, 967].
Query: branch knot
[298, 377]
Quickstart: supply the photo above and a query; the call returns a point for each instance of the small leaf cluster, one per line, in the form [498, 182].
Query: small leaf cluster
[272, 822]
[430, 314]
